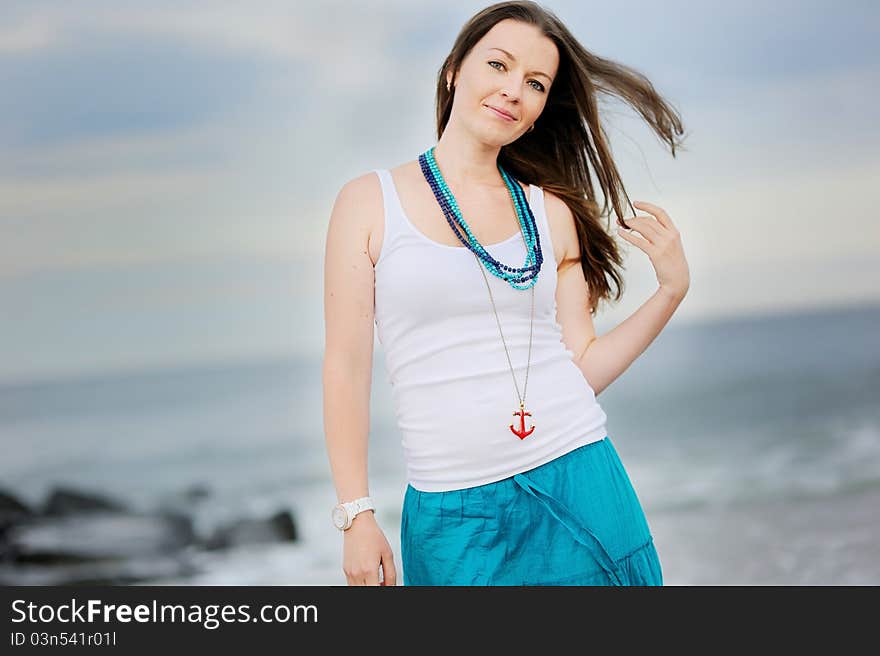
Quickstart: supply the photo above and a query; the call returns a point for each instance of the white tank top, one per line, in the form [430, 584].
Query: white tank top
[451, 384]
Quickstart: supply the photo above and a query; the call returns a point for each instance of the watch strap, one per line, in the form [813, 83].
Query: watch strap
[359, 505]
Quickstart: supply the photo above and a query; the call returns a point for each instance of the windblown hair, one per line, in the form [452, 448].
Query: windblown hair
[569, 139]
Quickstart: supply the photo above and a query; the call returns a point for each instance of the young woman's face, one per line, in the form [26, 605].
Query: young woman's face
[510, 69]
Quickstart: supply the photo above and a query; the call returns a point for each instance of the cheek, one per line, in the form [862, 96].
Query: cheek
[536, 109]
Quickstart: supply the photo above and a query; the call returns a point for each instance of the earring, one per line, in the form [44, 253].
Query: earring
[447, 86]
[531, 128]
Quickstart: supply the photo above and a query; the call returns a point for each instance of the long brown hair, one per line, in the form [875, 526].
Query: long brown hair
[568, 137]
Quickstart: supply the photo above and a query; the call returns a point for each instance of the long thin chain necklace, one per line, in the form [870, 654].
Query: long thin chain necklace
[519, 278]
[521, 433]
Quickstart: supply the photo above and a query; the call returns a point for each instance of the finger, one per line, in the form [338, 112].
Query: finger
[354, 579]
[648, 227]
[388, 569]
[661, 215]
[372, 576]
[644, 244]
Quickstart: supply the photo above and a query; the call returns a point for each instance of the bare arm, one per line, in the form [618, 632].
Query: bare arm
[657, 236]
[349, 316]
[348, 350]
[611, 354]
[602, 359]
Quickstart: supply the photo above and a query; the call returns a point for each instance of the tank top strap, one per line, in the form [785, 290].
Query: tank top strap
[393, 209]
[536, 202]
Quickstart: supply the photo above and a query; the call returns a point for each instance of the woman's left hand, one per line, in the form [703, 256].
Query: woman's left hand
[661, 241]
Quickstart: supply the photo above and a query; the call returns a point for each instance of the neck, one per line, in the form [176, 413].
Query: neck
[467, 163]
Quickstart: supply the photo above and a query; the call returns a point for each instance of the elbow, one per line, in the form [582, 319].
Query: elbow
[596, 389]
[583, 353]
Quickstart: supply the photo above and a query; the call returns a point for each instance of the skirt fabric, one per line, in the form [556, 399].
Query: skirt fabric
[575, 520]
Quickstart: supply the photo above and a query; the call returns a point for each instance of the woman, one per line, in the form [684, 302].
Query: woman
[466, 259]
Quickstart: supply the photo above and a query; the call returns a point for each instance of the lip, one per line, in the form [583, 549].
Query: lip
[500, 112]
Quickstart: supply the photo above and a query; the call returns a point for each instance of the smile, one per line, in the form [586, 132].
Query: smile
[500, 114]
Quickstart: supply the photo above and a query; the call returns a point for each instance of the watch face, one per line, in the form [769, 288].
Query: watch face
[339, 517]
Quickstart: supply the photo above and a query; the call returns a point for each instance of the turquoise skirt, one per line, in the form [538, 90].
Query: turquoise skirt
[575, 520]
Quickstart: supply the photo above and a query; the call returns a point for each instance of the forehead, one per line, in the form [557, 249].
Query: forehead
[524, 41]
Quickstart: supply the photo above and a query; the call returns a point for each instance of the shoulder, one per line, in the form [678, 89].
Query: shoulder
[562, 228]
[365, 191]
[363, 188]
[358, 203]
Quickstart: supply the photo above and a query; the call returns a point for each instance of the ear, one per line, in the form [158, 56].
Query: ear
[449, 78]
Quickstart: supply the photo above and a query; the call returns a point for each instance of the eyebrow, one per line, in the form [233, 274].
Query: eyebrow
[512, 58]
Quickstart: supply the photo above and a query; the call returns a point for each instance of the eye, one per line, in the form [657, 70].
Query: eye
[540, 86]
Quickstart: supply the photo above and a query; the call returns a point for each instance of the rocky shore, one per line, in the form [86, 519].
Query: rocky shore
[79, 537]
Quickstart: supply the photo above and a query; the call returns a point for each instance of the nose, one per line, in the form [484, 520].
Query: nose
[511, 95]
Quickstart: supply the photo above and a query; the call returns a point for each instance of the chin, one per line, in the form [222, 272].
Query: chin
[492, 135]
[496, 142]
[497, 136]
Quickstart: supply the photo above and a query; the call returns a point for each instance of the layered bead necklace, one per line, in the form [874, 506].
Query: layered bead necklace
[523, 277]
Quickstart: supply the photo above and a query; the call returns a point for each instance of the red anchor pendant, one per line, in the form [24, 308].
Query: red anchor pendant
[522, 433]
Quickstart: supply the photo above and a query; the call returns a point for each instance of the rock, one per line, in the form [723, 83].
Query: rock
[12, 510]
[280, 527]
[64, 500]
[98, 535]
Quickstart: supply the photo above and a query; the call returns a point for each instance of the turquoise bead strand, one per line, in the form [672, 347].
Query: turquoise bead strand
[519, 278]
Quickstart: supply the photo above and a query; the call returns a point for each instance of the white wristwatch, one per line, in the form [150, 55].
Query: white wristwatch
[344, 513]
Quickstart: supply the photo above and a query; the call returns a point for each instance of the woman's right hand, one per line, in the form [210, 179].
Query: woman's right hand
[365, 549]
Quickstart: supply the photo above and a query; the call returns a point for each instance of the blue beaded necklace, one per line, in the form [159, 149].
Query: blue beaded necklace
[523, 277]
[519, 278]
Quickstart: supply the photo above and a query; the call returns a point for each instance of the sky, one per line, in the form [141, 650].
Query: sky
[168, 168]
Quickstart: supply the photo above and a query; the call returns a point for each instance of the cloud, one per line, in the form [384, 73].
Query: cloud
[28, 35]
[139, 137]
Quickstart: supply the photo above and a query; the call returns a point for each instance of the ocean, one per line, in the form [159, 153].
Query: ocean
[753, 444]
